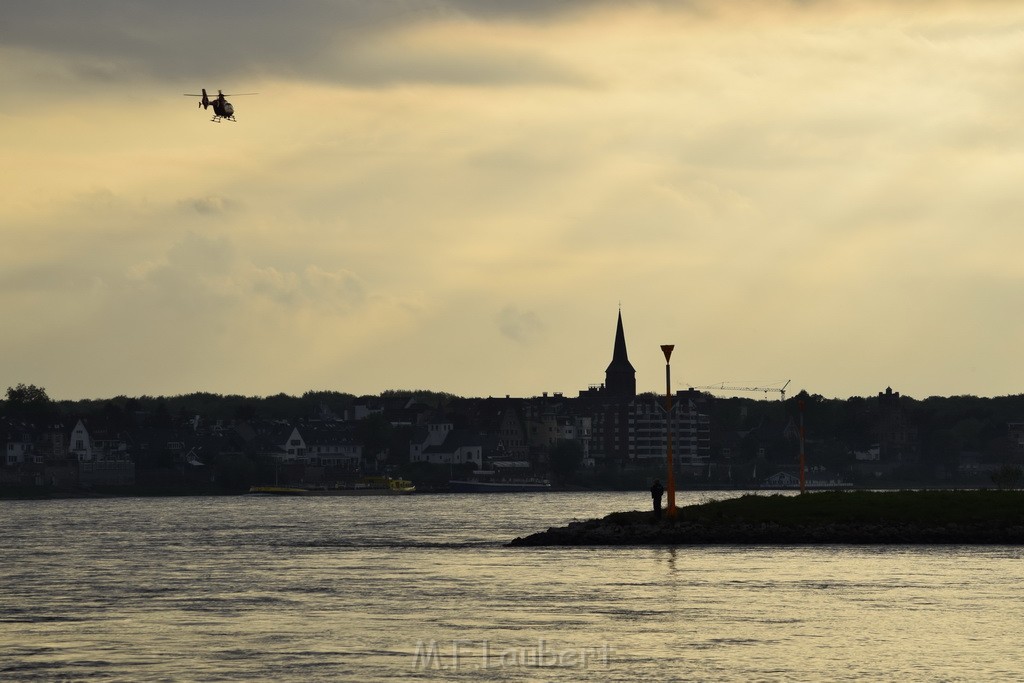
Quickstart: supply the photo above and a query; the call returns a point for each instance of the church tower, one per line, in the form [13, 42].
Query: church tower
[620, 377]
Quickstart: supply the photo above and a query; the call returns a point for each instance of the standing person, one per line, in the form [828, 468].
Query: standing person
[656, 492]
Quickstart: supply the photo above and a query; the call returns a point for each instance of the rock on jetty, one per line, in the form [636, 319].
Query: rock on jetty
[857, 517]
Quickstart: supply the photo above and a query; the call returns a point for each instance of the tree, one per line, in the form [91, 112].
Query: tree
[565, 458]
[27, 401]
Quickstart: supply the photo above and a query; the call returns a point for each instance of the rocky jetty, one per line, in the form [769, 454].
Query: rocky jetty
[858, 517]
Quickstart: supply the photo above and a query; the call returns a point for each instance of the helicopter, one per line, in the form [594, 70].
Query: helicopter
[222, 109]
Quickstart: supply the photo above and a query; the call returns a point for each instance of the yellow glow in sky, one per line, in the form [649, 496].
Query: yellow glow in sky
[458, 195]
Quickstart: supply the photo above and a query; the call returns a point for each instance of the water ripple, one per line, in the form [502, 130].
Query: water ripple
[241, 589]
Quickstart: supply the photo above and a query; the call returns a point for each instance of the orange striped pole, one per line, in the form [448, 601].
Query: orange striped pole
[803, 461]
[670, 480]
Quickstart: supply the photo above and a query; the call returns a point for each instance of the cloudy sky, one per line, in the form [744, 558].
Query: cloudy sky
[459, 194]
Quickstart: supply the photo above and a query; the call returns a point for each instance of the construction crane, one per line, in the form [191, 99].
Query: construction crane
[723, 387]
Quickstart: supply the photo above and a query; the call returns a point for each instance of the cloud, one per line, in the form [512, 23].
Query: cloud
[211, 205]
[524, 327]
[210, 273]
[340, 289]
[359, 43]
[335, 292]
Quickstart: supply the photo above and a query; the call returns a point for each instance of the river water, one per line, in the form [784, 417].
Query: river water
[256, 588]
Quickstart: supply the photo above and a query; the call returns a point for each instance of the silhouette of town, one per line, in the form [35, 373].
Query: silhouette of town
[607, 437]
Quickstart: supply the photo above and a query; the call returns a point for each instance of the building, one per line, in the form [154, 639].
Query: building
[103, 461]
[629, 429]
[690, 427]
[620, 376]
[897, 437]
[441, 444]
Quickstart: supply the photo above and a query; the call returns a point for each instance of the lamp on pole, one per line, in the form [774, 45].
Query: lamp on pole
[670, 480]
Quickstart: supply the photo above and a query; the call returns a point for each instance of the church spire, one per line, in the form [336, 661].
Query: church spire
[620, 377]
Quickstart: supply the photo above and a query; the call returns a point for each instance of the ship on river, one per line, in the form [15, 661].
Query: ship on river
[367, 486]
[488, 481]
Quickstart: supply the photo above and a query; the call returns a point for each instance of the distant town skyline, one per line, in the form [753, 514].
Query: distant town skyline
[457, 195]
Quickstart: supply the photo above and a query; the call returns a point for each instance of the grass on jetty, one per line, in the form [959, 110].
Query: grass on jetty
[823, 507]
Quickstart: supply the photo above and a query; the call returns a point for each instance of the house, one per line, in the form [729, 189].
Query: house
[20, 449]
[295, 447]
[440, 444]
[285, 444]
[332, 446]
[101, 461]
[79, 444]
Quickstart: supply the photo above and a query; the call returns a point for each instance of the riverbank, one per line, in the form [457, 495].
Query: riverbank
[858, 517]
